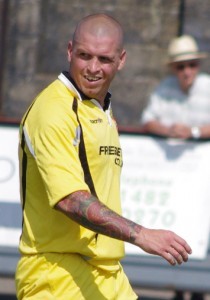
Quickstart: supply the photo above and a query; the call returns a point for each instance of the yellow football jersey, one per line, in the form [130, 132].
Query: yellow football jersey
[67, 144]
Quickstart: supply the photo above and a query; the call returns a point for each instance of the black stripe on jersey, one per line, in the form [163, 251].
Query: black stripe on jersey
[83, 154]
[24, 164]
[24, 168]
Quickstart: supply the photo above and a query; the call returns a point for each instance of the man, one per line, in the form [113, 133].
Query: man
[73, 230]
[180, 106]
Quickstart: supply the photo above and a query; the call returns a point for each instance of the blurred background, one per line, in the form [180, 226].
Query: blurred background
[34, 36]
[33, 42]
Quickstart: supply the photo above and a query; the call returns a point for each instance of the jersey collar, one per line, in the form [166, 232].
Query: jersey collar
[71, 85]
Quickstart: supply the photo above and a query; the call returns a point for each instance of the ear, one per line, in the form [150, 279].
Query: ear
[122, 59]
[69, 51]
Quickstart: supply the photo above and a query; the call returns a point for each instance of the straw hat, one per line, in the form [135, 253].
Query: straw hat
[184, 48]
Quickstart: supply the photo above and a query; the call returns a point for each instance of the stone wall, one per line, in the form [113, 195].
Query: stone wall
[37, 33]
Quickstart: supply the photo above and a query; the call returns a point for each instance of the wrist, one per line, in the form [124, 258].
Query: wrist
[137, 238]
[195, 132]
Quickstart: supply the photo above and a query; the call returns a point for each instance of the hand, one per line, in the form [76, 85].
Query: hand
[180, 131]
[164, 243]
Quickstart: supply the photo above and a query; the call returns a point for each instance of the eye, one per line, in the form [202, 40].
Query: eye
[84, 55]
[105, 59]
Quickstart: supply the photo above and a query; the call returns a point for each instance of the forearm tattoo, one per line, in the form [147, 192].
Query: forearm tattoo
[89, 212]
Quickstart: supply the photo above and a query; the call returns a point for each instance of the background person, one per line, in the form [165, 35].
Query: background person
[180, 105]
[70, 165]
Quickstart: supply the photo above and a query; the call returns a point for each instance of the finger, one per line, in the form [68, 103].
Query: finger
[177, 256]
[184, 244]
[179, 252]
[169, 258]
[184, 255]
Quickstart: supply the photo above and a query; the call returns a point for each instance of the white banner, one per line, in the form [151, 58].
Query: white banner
[166, 184]
[9, 187]
[9, 178]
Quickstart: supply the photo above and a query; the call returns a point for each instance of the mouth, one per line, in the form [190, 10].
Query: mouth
[92, 78]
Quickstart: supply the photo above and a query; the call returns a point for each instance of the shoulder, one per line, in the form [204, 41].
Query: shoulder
[166, 83]
[54, 99]
[202, 83]
[167, 87]
[203, 77]
[52, 108]
[169, 80]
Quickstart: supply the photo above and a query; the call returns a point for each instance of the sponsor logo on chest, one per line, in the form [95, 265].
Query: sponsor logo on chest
[112, 150]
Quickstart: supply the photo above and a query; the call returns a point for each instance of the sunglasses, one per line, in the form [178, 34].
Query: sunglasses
[182, 66]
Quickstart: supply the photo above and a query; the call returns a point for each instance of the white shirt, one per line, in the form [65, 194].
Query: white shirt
[169, 104]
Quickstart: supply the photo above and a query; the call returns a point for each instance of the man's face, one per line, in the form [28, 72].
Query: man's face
[186, 72]
[94, 62]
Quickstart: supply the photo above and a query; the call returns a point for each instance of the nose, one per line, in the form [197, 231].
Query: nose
[188, 73]
[94, 65]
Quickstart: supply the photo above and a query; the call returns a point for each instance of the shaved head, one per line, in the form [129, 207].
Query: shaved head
[100, 25]
[96, 54]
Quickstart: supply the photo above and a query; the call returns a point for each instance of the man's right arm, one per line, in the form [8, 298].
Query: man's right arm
[88, 211]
